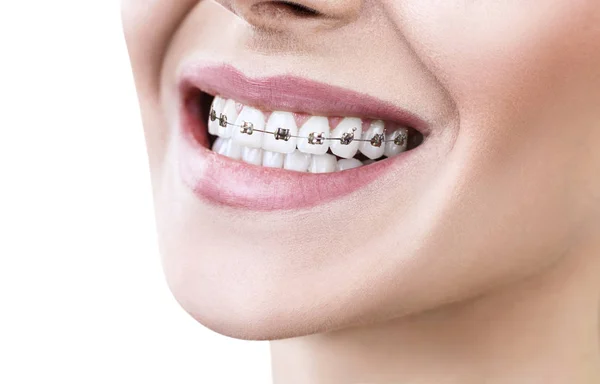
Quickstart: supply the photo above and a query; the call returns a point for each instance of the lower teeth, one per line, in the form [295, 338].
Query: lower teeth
[296, 161]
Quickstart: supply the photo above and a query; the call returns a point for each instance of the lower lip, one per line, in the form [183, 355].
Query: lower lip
[220, 180]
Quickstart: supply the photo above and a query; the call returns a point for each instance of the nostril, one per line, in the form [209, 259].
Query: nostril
[283, 8]
[299, 9]
[294, 16]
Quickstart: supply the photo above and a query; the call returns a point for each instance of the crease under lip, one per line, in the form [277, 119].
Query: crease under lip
[294, 94]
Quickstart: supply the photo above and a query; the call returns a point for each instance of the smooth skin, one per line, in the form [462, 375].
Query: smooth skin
[480, 265]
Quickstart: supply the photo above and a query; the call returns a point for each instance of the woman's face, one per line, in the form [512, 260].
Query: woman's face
[499, 180]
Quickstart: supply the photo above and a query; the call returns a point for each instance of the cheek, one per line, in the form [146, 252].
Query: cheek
[148, 28]
[525, 82]
[503, 52]
[524, 78]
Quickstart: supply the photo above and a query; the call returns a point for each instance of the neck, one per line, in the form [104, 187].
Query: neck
[542, 330]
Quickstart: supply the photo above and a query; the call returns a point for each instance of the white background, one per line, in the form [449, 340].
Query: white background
[82, 296]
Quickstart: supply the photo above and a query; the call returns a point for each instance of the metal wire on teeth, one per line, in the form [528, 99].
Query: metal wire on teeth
[314, 138]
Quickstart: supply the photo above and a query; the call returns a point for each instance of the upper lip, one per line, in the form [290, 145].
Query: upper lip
[294, 94]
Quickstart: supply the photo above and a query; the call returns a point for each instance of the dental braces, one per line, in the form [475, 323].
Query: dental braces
[314, 138]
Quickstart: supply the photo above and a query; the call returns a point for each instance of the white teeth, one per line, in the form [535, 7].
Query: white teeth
[371, 151]
[232, 149]
[252, 155]
[344, 164]
[218, 144]
[315, 124]
[322, 163]
[318, 146]
[230, 111]
[297, 161]
[257, 119]
[272, 159]
[285, 122]
[217, 106]
[391, 149]
[347, 125]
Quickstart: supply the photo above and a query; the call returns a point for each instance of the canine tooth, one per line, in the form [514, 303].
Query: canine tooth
[284, 125]
[344, 164]
[230, 111]
[297, 161]
[257, 119]
[273, 159]
[349, 126]
[391, 148]
[232, 149]
[316, 125]
[218, 144]
[322, 163]
[252, 155]
[217, 106]
[366, 148]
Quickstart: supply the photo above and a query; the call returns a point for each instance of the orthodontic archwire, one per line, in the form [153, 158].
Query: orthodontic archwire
[314, 138]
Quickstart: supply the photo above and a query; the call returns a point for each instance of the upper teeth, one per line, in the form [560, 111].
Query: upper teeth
[216, 111]
[375, 148]
[283, 140]
[255, 123]
[226, 130]
[316, 130]
[349, 129]
[280, 134]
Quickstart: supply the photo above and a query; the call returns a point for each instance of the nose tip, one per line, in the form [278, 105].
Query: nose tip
[282, 14]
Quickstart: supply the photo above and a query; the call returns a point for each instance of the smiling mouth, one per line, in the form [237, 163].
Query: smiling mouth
[301, 142]
[256, 143]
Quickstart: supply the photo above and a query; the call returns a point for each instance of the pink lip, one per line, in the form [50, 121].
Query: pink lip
[224, 181]
[291, 93]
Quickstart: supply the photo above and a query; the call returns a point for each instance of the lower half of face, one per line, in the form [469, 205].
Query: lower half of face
[328, 163]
